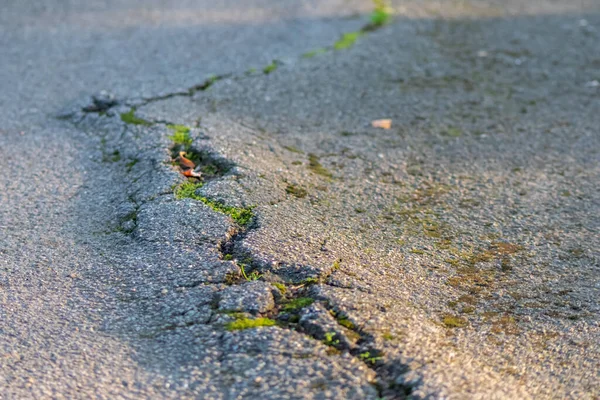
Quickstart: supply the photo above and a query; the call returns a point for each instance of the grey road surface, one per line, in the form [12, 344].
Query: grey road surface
[454, 255]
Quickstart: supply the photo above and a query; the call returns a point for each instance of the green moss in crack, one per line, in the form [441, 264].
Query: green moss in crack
[131, 164]
[228, 257]
[296, 191]
[315, 166]
[293, 149]
[280, 286]
[310, 281]
[343, 320]
[347, 40]
[298, 303]
[381, 15]
[247, 323]
[187, 190]
[210, 81]
[453, 132]
[452, 321]
[314, 53]
[242, 216]
[336, 265]
[130, 118]
[209, 169]
[179, 128]
[468, 310]
[181, 135]
[115, 156]
[270, 68]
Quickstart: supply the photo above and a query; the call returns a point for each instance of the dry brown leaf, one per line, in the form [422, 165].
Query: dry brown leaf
[190, 173]
[382, 123]
[185, 163]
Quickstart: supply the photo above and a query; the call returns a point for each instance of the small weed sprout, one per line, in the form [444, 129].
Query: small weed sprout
[329, 339]
[367, 357]
[253, 276]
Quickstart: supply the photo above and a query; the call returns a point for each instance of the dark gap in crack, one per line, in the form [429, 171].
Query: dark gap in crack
[373, 358]
[200, 87]
[291, 293]
[294, 294]
[208, 82]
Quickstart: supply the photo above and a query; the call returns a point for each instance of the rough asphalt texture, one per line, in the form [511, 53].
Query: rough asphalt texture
[452, 256]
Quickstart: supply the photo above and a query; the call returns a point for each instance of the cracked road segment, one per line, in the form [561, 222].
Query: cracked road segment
[454, 255]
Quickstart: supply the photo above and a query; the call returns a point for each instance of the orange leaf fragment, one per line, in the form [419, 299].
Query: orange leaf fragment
[190, 173]
[185, 163]
[382, 123]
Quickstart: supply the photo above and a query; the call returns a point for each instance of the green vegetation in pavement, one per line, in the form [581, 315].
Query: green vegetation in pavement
[181, 135]
[247, 323]
[130, 118]
[296, 304]
[188, 189]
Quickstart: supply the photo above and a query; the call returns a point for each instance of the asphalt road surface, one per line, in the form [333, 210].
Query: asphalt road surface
[454, 255]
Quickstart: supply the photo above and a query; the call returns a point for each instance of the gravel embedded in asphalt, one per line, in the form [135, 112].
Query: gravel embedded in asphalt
[453, 255]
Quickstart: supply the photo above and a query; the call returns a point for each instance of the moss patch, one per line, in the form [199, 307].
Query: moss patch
[505, 324]
[131, 164]
[315, 166]
[280, 286]
[297, 191]
[380, 16]
[453, 132]
[247, 323]
[310, 281]
[347, 40]
[298, 303]
[181, 135]
[452, 321]
[293, 149]
[314, 53]
[270, 68]
[130, 118]
[343, 320]
[188, 189]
